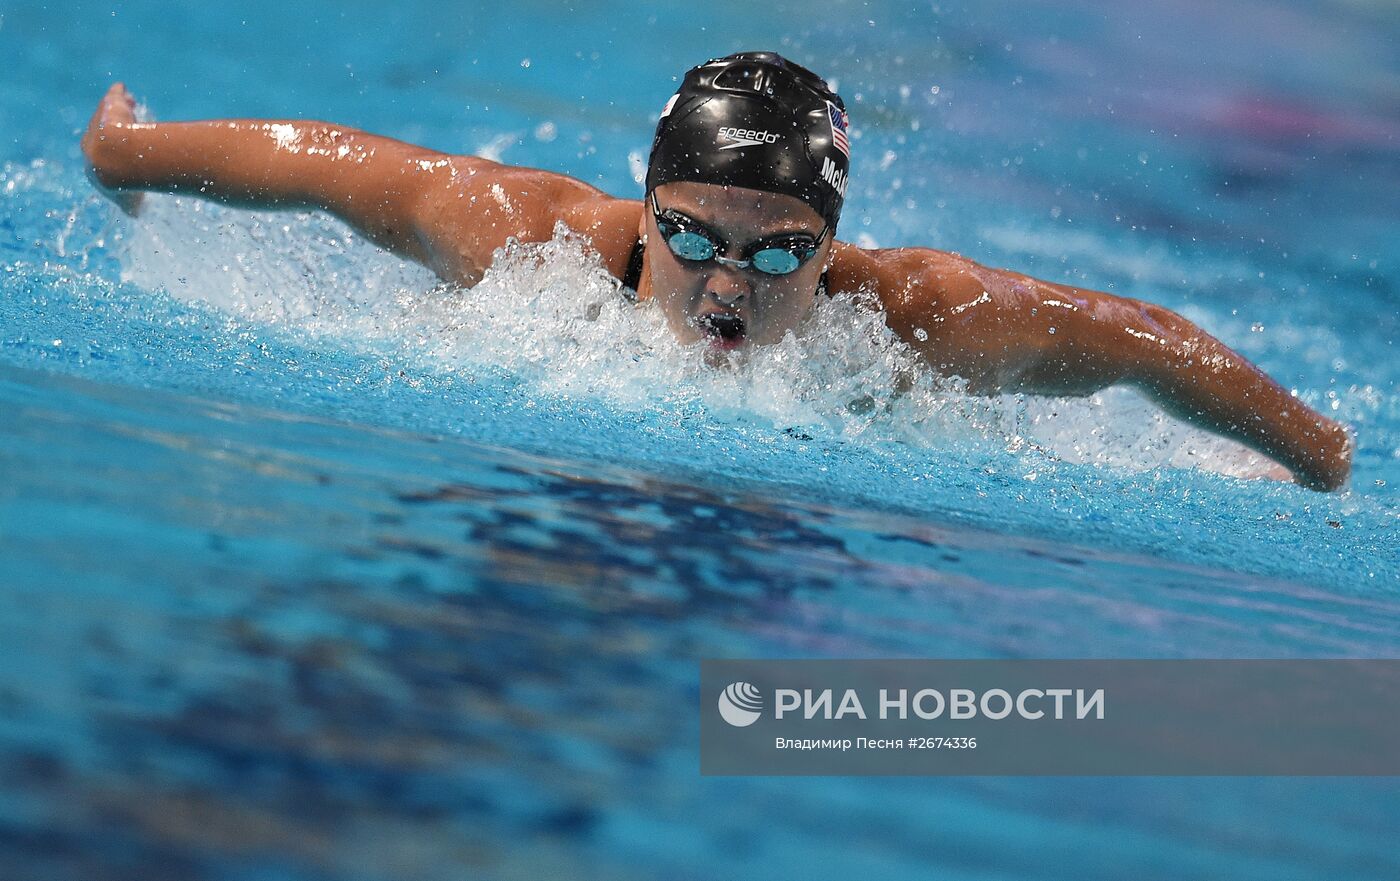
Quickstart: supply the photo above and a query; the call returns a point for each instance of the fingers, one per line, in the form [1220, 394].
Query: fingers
[114, 111]
[116, 96]
[117, 107]
[119, 91]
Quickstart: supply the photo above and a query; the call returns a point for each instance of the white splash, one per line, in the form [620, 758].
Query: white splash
[550, 314]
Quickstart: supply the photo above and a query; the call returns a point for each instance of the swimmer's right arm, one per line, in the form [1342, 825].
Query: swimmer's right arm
[361, 178]
[447, 212]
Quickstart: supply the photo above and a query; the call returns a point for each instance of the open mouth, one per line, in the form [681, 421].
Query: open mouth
[725, 331]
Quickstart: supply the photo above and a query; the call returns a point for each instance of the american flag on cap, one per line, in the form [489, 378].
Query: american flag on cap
[839, 122]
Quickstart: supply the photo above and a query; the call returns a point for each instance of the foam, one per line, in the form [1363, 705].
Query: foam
[550, 315]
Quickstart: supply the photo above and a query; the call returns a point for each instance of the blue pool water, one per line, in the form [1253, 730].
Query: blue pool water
[313, 569]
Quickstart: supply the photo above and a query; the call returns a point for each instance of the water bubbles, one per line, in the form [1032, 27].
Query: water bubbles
[525, 63]
[548, 316]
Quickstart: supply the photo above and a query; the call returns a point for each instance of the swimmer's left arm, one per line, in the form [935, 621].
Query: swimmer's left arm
[1004, 331]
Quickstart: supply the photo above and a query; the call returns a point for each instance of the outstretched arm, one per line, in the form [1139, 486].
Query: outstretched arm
[1008, 332]
[447, 212]
[368, 181]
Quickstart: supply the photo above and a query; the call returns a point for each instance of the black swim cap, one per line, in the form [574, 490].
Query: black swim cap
[756, 120]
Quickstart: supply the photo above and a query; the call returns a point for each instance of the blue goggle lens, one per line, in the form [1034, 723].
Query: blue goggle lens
[691, 246]
[695, 247]
[775, 261]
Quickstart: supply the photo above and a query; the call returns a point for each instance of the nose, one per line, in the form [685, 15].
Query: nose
[727, 286]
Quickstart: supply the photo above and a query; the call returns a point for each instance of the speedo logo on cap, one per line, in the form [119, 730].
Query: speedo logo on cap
[742, 137]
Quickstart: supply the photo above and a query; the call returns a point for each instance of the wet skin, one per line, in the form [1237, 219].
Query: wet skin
[1000, 330]
[731, 307]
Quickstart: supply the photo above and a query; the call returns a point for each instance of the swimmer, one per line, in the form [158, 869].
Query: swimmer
[734, 240]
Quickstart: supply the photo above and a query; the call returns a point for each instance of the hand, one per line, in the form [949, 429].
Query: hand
[1330, 462]
[116, 111]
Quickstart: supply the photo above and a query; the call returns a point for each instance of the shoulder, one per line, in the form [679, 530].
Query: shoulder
[472, 206]
[612, 225]
[964, 318]
[908, 279]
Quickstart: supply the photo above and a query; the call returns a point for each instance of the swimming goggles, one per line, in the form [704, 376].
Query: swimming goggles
[776, 255]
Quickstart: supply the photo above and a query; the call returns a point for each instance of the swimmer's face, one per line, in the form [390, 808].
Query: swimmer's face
[732, 307]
